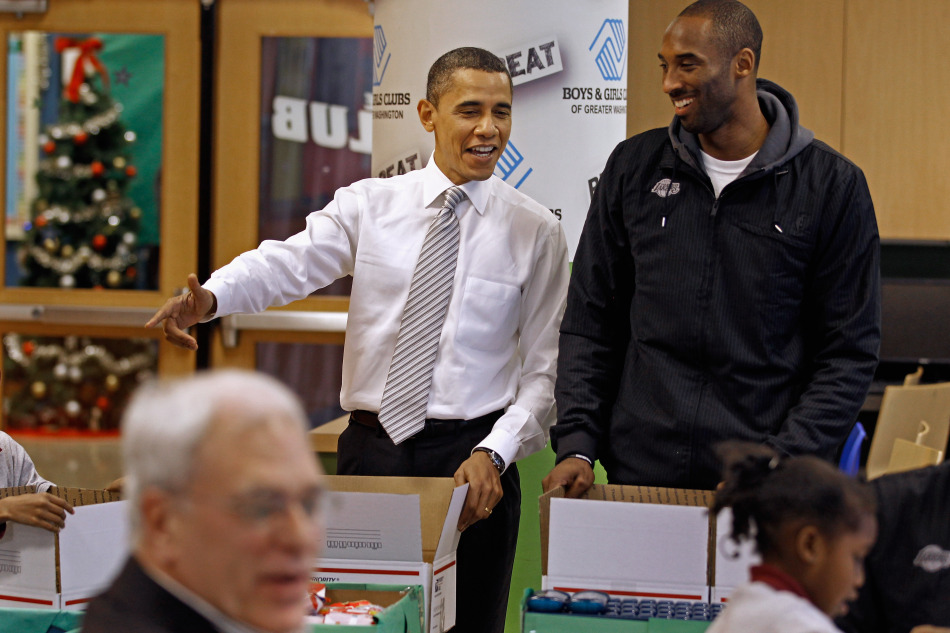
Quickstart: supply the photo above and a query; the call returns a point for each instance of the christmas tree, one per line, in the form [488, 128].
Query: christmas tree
[71, 384]
[83, 230]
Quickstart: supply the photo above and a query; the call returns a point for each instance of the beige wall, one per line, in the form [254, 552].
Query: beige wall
[870, 80]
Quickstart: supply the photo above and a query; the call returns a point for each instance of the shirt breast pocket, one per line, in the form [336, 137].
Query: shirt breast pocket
[488, 319]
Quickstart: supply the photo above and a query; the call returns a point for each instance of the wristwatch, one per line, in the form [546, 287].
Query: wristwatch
[496, 459]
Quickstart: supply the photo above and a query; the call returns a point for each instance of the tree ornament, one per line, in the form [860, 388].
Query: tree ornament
[113, 278]
[67, 250]
[38, 389]
[28, 348]
[60, 371]
[130, 273]
[73, 409]
[135, 213]
[51, 245]
[99, 241]
[112, 383]
[67, 281]
[97, 168]
[64, 162]
[49, 147]
[99, 195]
[103, 403]
[130, 171]
[81, 138]
[41, 221]
[118, 162]
[130, 136]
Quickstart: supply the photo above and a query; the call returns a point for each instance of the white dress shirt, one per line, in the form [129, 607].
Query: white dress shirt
[498, 348]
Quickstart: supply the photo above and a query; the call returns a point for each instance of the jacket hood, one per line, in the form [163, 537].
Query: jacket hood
[785, 140]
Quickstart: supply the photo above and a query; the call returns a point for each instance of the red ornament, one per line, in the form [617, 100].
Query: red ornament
[81, 138]
[28, 347]
[130, 171]
[40, 221]
[103, 403]
[49, 147]
[99, 242]
[97, 168]
[130, 272]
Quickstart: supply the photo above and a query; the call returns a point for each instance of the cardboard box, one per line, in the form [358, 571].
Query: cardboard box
[642, 541]
[41, 569]
[395, 529]
[404, 607]
[629, 541]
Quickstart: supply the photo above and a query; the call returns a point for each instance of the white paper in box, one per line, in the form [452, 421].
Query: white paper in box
[396, 529]
[628, 540]
[629, 544]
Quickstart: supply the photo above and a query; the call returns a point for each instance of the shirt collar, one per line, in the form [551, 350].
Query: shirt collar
[435, 183]
[218, 619]
[777, 579]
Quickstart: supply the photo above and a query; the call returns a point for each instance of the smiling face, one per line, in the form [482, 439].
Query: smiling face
[837, 570]
[471, 122]
[697, 76]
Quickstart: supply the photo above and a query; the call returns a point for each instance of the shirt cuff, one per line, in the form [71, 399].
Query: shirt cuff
[503, 444]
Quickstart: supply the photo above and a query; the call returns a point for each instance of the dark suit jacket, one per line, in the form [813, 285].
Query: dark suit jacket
[135, 602]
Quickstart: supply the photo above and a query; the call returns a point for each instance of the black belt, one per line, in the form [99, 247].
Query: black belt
[433, 427]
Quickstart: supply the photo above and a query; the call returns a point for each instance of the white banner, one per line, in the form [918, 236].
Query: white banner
[568, 61]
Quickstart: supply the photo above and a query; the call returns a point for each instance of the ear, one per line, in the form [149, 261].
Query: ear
[426, 114]
[745, 63]
[158, 523]
[810, 544]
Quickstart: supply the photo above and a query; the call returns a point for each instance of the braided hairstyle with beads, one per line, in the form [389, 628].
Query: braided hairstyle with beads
[766, 491]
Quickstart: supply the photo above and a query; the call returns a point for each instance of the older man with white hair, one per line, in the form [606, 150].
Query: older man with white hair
[224, 500]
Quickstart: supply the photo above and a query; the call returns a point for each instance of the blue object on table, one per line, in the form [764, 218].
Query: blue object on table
[851, 453]
[548, 601]
[588, 602]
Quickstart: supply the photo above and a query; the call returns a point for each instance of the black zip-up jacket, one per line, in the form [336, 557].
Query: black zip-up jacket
[908, 571]
[693, 319]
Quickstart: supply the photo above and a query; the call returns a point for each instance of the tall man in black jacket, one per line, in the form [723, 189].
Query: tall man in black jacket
[726, 284]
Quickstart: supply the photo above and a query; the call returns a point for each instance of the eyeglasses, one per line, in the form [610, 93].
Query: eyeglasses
[260, 508]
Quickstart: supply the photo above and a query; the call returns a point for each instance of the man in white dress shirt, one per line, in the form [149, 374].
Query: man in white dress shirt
[491, 401]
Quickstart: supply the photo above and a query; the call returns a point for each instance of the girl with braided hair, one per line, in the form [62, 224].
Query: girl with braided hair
[812, 525]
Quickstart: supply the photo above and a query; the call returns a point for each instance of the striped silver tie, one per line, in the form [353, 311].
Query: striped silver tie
[402, 411]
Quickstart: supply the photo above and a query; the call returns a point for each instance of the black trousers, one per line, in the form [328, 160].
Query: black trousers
[486, 551]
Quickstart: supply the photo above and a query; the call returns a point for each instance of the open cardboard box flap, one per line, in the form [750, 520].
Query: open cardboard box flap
[432, 511]
[75, 496]
[79, 560]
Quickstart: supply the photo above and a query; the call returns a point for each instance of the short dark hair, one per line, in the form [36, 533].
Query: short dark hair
[769, 492]
[440, 74]
[734, 26]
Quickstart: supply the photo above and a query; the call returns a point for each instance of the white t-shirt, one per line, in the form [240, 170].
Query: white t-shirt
[722, 172]
[759, 607]
[16, 467]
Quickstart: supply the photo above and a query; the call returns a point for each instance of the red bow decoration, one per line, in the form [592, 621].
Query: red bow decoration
[87, 50]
